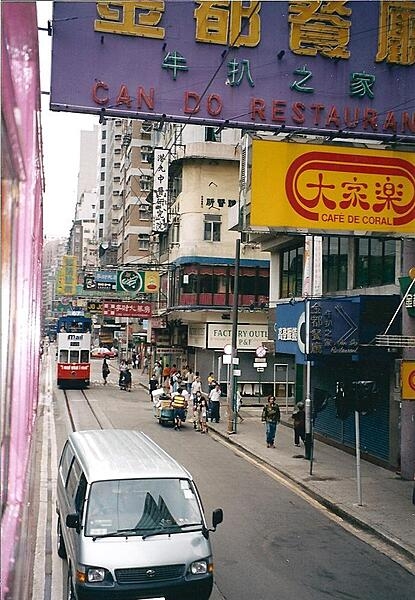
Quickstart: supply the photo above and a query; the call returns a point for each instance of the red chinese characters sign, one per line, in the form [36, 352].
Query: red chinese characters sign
[331, 188]
[142, 310]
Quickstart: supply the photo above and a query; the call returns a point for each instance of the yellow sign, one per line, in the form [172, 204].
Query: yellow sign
[408, 379]
[151, 282]
[310, 187]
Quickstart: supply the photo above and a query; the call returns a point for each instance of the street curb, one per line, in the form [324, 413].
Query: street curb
[329, 505]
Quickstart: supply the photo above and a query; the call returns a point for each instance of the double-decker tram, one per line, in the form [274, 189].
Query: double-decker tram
[74, 350]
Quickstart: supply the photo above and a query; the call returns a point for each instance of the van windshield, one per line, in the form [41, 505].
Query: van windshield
[141, 506]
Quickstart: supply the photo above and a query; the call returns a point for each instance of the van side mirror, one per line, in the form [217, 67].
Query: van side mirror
[217, 517]
[72, 521]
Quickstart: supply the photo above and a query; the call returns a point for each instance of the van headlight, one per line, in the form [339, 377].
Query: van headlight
[95, 574]
[199, 567]
[86, 574]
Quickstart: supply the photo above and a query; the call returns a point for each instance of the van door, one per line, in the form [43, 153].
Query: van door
[75, 488]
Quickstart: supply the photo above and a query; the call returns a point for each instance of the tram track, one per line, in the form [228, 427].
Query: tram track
[83, 395]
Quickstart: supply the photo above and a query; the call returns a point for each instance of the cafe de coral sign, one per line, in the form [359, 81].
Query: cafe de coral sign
[332, 188]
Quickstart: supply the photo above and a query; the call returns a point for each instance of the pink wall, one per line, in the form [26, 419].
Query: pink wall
[21, 266]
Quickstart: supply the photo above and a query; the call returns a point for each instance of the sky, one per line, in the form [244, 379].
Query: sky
[61, 140]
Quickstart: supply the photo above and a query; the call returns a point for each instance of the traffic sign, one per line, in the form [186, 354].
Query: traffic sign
[261, 351]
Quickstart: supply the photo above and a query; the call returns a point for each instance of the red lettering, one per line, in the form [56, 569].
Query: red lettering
[370, 118]
[99, 85]
[298, 116]
[211, 101]
[333, 118]
[390, 122]
[278, 111]
[317, 109]
[149, 100]
[123, 96]
[188, 110]
[351, 123]
[408, 122]
[257, 108]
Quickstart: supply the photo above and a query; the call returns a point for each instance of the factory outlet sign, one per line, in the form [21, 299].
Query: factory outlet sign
[249, 337]
[316, 66]
[332, 189]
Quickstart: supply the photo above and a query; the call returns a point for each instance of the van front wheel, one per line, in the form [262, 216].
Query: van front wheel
[60, 542]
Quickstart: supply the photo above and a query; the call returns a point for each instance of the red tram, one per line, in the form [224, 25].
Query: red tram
[74, 350]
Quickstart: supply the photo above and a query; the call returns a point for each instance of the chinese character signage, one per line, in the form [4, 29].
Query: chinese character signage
[67, 276]
[142, 310]
[334, 326]
[405, 283]
[303, 65]
[160, 186]
[332, 189]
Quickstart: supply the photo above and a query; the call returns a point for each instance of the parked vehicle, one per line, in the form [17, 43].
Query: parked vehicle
[130, 520]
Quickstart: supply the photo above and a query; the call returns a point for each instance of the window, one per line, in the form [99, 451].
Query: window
[374, 262]
[102, 176]
[101, 218]
[102, 190]
[103, 148]
[104, 134]
[292, 272]
[143, 241]
[102, 162]
[101, 204]
[146, 154]
[145, 183]
[335, 253]
[212, 228]
[212, 134]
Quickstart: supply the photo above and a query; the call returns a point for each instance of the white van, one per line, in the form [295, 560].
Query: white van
[130, 520]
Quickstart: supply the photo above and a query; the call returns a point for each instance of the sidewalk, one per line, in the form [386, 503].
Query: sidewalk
[387, 510]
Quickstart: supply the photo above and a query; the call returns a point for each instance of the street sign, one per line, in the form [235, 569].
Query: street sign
[261, 351]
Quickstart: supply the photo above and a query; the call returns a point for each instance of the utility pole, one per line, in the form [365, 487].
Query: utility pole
[234, 343]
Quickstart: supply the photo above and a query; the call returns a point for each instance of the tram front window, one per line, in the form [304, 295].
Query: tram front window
[84, 356]
[63, 356]
[74, 356]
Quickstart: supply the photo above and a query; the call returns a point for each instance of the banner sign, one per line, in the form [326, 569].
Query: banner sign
[332, 189]
[146, 282]
[320, 66]
[92, 284]
[142, 310]
[249, 337]
[160, 190]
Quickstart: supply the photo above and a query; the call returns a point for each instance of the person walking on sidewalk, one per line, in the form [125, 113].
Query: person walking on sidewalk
[214, 399]
[271, 417]
[105, 371]
[299, 423]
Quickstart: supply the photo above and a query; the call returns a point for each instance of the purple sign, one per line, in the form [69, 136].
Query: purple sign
[319, 66]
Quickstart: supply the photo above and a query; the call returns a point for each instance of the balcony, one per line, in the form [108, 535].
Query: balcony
[221, 300]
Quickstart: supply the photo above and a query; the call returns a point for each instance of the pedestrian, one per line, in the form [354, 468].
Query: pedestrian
[105, 371]
[271, 417]
[152, 385]
[214, 398]
[166, 372]
[196, 385]
[134, 360]
[197, 405]
[127, 380]
[145, 365]
[211, 381]
[179, 405]
[157, 371]
[203, 416]
[123, 366]
[299, 423]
